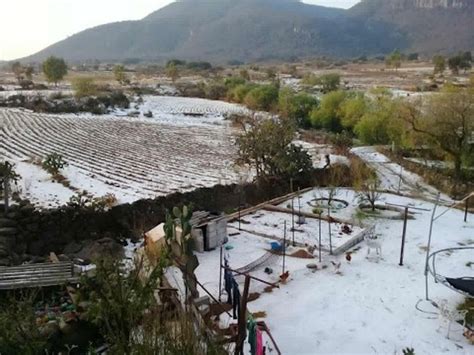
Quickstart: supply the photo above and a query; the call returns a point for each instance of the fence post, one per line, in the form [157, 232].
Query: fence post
[405, 221]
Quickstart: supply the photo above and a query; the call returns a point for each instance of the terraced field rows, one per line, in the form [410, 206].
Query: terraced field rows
[145, 159]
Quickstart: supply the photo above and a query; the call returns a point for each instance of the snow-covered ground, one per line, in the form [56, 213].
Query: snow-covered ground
[318, 153]
[132, 158]
[370, 307]
[394, 178]
[272, 224]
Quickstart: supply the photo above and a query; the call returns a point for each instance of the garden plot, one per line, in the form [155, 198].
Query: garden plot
[271, 224]
[132, 159]
[365, 305]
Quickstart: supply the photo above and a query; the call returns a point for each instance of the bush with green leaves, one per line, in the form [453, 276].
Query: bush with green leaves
[55, 69]
[266, 146]
[19, 333]
[296, 106]
[84, 87]
[262, 98]
[54, 163]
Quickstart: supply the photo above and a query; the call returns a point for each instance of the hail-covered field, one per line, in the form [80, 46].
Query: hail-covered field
[187, 144]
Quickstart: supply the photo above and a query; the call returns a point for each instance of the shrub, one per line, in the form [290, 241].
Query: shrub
[84, 87]
[262, 98]
[53, 163]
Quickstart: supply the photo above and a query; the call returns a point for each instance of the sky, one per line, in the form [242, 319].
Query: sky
[27, 26]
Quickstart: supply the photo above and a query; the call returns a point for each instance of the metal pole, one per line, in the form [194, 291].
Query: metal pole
[403, 236]
[330, 236]
[284, 249]
[293, 220]
[428, 248]
[220, 275]
[320, 212]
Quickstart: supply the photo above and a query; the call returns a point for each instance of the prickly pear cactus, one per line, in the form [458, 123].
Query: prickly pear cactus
[181, 249]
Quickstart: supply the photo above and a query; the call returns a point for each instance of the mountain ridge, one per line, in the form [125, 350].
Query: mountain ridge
[252, 30]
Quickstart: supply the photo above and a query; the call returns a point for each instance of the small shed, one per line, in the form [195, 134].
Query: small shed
[209, 231]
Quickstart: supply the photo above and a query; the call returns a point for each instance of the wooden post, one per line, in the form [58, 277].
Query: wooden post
[400, 179]
[319, 249]
[284, 249]
[405, 221]
[466, 210]
[242, 323]
[220, 274]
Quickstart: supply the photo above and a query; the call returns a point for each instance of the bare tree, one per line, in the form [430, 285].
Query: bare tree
[370, 192]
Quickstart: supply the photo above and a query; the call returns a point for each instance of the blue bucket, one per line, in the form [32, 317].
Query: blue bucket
[275, 246]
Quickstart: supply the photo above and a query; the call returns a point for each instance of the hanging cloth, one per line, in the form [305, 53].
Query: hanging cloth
[235, 298]
[259, 342]
[228, 283]
[252, 328]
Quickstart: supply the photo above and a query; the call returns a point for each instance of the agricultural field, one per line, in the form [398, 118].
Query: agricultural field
[187, 144]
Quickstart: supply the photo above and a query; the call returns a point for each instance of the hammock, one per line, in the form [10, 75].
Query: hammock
[259, 262]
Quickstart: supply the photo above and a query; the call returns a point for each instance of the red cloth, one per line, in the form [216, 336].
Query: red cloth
[259, 342]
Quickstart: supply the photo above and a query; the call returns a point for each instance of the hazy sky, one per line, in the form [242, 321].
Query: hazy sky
[27, 26]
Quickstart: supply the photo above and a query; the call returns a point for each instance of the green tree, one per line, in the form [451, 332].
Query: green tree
[446, 123]
[296, 107]
[380, 123]
[454, 64]
[29, 71]
[172, 72]
[352, 110]
[330, 82]
[394, 60]
[55, 69]
[262, 97]
[329, 116]
[120, 75]
[84, 87]
[266, 146]
[18, 70]
[439, 64]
